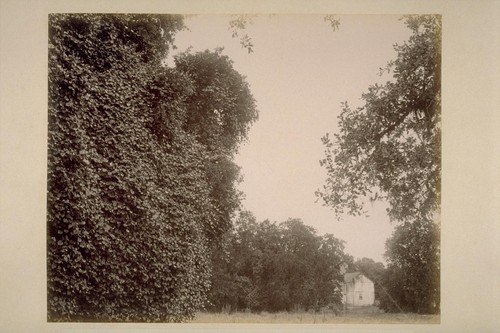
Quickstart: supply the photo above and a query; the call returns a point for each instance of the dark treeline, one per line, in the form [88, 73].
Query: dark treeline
[264, 266]
[287, 266]
[412, 279]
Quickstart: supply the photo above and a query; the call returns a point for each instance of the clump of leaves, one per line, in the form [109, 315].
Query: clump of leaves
[237, 26]
[333, 21]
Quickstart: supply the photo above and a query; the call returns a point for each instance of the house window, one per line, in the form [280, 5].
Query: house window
[360, 297]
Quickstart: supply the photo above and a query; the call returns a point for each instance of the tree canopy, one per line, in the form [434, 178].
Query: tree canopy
[372, 270]
[266, 266]
[412, 278]
[389, 148]
[139, 185]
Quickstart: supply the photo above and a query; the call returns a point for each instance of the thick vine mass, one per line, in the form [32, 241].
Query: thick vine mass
[136, 195]
[389, 149]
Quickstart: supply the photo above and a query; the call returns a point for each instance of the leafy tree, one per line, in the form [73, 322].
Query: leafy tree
[326, 274]
[132, 206]
[276, 267]
[389, 149]
[219, 114]
[373, 270]
[221, 108]
[412, 277]
[233, 266]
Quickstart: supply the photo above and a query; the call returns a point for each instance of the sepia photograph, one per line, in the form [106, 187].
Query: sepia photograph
[244, 168]
[257, 166]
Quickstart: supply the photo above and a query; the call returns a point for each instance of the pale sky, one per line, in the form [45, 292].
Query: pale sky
[299, 73]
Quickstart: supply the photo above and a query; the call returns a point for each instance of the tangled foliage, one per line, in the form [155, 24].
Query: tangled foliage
[131, 206]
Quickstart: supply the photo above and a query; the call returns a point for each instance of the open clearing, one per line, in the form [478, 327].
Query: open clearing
[369, 315]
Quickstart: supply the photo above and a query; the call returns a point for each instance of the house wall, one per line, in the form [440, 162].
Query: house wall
[359, 292]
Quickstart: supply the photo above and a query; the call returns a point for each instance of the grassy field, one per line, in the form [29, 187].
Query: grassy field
[367, 315]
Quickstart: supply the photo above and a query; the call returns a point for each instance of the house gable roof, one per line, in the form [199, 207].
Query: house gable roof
[350, 277]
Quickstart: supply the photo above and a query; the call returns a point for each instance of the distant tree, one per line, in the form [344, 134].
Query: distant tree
[389, 149]
[300, 243]
[233, 266]
[277, 267]
[372, 270]
[327, 272]
[413, 272]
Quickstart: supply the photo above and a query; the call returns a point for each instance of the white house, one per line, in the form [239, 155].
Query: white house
[358, 290]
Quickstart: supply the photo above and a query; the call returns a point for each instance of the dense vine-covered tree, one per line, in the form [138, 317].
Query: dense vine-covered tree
[389, 148]
[132, 206]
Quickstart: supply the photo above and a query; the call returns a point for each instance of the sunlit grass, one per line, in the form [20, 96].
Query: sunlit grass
[369, 315]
